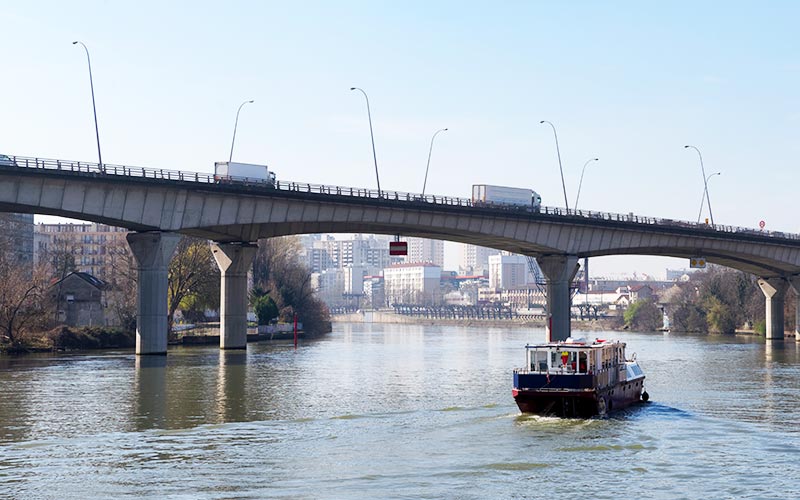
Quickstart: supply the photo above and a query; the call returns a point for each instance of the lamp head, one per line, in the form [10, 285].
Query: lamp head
[73, 43]
[687, 146]
[352, 88]
[251, 101]
[541, 122]
[597, 159]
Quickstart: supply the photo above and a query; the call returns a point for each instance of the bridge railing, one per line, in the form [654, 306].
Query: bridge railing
[304, 187]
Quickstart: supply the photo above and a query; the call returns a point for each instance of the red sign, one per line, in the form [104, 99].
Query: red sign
[398, 248]
[761, 224]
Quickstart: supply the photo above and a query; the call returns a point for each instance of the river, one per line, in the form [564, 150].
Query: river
[395, 411]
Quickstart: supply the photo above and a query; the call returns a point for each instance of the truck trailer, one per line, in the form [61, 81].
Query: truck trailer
[229, 171]
[485, 194]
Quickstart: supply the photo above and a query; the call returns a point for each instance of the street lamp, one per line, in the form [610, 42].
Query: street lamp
[703, 199]
[705, 182]
[94, 108]
[581, 182]
[429, 159]
[235, 126]
[374, 155]
[563, 185]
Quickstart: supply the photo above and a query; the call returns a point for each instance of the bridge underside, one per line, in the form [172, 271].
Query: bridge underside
[754, 264]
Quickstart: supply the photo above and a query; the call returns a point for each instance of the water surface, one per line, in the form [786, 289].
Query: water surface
[395, 411]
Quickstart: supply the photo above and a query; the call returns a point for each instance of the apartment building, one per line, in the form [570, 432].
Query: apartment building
[412, 284]
[95, 248]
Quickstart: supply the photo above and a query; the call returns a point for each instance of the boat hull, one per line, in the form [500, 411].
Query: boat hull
[578, 403]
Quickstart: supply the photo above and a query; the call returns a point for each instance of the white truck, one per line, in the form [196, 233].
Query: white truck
[230, 171]
[485, 194]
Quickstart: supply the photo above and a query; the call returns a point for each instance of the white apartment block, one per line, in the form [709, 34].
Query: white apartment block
[412, 283]
[354, 279]
[422, 250]
[332, 253]
[475, 259]
[330, 286]
[508, 271]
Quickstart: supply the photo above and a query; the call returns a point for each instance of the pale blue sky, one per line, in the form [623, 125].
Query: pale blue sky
[628, 82]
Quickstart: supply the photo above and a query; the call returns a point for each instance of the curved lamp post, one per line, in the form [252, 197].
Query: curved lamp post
[94, 107]
[705, 181]
[372, 137]
[235, 126]
[581, 182]
[561, 169]
[703, 199]
[424, 184]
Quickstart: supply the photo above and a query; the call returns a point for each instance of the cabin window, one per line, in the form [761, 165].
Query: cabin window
[539, 361]
[583, 363]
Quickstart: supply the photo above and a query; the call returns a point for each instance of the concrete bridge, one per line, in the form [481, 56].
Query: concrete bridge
[159, 205]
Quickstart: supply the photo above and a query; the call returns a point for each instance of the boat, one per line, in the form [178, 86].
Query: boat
[578, 379]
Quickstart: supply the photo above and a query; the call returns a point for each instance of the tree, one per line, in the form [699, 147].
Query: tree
[279, 268]
[122, 292]
[264, 306]
[719, 316]
[23, 299]
[194, 277]
[643, 315]
[719, 300]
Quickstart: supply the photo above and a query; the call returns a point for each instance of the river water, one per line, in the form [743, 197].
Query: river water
[395, 411]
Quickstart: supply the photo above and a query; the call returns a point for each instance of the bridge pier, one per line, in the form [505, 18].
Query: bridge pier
[794, 281]
[234, 260]
[153, 252]
[775, 291]
[559, 271]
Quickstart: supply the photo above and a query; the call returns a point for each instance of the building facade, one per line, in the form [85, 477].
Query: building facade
[16, 237]
[423, 250]
[330, 253]
[80, 300]
[413, 284]
[475, 259]
[508, 271]
[95, 248]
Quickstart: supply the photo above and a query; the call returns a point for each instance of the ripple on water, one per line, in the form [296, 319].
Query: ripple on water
[606, 447]
[515, 466]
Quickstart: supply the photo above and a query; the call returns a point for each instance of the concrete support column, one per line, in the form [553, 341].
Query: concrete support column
[234, 260]
[559, 271]
[153, 252]
[775, 291]
[794, 281]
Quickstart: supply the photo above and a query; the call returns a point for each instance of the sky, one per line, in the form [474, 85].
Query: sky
[630, 83]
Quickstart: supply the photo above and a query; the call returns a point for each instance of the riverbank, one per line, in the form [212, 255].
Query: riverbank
[389, 317]
[91, 338]
[589, 325]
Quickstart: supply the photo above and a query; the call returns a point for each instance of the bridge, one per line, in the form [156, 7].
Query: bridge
[158, 205]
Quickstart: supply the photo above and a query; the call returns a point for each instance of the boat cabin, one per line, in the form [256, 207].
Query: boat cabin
[599, 358]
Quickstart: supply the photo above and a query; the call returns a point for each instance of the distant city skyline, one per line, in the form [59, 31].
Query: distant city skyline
[630, 85]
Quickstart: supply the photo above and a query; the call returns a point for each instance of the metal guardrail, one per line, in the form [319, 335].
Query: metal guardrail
[303, 187]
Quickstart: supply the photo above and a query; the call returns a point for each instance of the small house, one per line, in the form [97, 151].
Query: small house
[79, 299]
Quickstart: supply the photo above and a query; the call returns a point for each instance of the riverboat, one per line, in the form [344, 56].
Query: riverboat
[576, 378]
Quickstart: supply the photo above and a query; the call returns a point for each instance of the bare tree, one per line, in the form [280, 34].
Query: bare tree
[193, 276]
[121, 294]
[22, 301]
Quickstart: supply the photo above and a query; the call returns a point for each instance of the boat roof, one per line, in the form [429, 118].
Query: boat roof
[571, 343]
